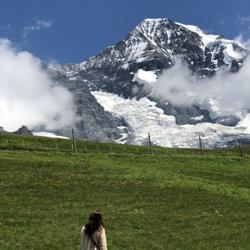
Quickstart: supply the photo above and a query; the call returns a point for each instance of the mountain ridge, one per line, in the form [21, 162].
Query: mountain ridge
[153, 46]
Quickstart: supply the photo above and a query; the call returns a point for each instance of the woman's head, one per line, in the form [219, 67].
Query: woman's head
[95, 222]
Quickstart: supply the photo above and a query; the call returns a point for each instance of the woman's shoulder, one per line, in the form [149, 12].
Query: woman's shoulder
[101, 229]
[99, 232]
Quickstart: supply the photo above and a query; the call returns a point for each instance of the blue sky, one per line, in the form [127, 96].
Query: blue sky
[69, 31]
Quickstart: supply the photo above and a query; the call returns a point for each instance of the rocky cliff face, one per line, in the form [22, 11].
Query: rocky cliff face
[2, 131]
[154, 45]
[92, 121]
[23, 131]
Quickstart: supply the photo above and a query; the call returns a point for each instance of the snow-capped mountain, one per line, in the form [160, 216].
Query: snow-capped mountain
[113, 76]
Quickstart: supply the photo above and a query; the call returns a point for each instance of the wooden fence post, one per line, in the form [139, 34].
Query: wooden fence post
[150, 143]
[240, 149]
[73, 142]
[201, 148]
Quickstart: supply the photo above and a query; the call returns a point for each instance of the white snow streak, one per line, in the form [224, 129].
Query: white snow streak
[47, 134]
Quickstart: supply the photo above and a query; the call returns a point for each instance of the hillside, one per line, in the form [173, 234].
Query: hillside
[171, 199]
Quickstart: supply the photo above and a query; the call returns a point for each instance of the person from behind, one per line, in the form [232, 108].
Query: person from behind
[93, 235]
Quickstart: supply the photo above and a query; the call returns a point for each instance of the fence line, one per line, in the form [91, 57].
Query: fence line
[31, 144]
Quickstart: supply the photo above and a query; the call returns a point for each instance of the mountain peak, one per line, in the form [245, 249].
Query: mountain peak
[154, 21]
[150, 26]
[153, 27]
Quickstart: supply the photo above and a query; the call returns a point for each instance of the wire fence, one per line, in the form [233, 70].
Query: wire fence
[29, 143]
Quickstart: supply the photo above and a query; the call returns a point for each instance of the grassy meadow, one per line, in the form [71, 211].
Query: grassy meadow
[171, 199]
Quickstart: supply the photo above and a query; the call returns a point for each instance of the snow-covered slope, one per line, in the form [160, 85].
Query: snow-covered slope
[143, 116]
[232, 50]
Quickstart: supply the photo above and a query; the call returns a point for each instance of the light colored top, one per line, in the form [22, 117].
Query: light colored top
[99, 237]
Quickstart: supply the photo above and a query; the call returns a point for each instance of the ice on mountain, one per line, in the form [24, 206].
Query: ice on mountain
[143, 76]
[206, 38]
[137, 50]
[211, 40]
[143, 116]
[198, 118]
[245, 123]
[211, 105]
[125, 66]
[231, 52]
[48, 134]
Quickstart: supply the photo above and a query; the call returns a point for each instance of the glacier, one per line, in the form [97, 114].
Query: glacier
[144, 117]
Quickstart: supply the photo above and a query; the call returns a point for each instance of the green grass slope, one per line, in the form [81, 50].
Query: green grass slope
[171, 199]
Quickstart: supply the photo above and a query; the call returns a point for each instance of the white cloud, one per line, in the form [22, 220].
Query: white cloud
[6, 26]
[224, 20]
[244, 19]
[243, 36]
[245, 22]
[243, 40]
[180, 87]
[27, 94]
[36, 26]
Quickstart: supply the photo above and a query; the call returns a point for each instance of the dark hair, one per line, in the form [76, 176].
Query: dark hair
[95, 222]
